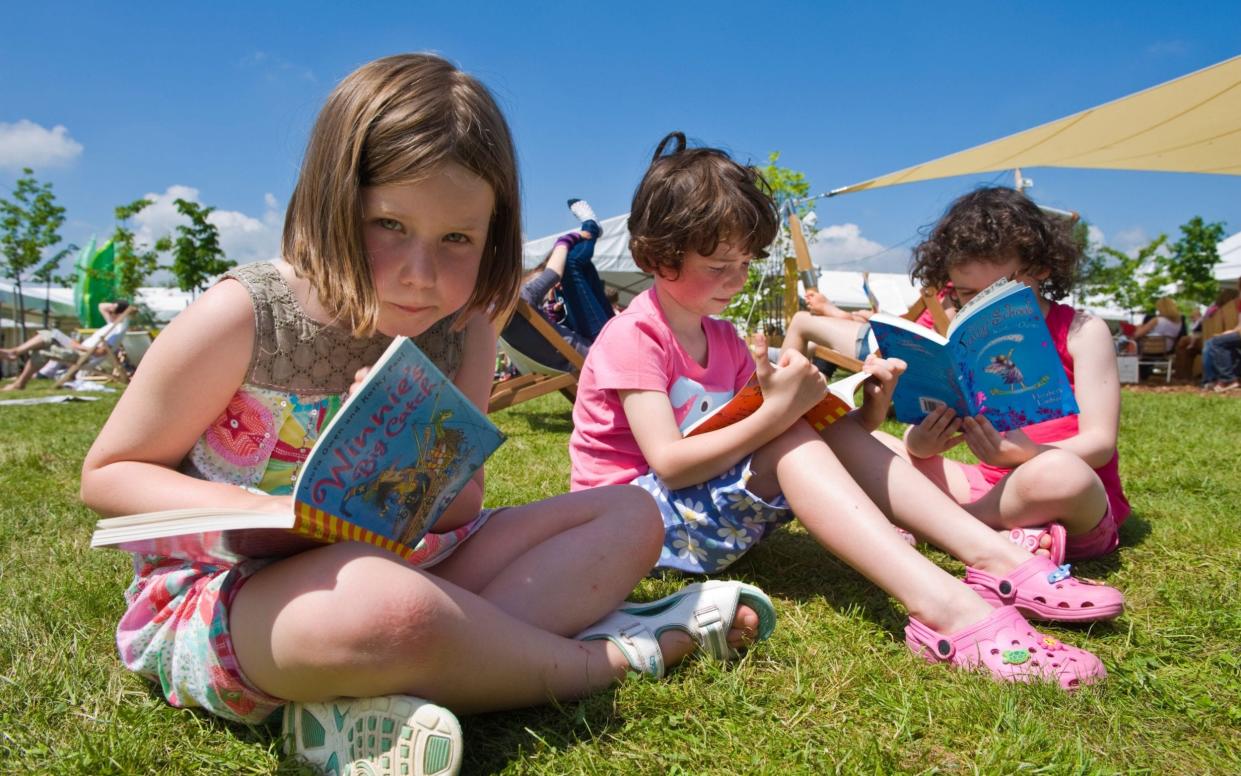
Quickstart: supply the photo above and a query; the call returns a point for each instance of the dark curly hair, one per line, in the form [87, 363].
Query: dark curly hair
[994, 225]
[694, 198]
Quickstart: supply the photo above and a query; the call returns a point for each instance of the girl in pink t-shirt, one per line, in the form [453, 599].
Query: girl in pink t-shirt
[1053, 484]
[698, 218]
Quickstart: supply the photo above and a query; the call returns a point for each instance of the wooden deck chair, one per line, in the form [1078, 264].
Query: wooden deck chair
[535, 378]
[109, 365]
[801, 268]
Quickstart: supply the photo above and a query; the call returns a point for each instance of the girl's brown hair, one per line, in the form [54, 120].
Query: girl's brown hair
[692, 199]
[391, 122]
[994, 225]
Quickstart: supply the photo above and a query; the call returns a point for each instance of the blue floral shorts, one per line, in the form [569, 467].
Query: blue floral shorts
[707, 527]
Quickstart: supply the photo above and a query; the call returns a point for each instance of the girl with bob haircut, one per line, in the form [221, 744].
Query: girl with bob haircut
[405, 221]
[698, 219]
[1052, 486]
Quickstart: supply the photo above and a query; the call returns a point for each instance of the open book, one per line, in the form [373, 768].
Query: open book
[997, 359]
[838, 400]
[382, 471]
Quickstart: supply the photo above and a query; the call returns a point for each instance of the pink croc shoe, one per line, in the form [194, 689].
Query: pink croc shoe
[1031, 538]
[1005, 645]
[1042, 590]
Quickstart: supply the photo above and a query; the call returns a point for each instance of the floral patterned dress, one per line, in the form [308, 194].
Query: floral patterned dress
[175, 629]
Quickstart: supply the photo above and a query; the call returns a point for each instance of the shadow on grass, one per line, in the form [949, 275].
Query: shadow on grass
[791, 564]
[559, 422]
[494, 740]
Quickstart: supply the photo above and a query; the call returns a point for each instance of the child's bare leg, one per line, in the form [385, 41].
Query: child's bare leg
[1053, 485]
[604, 539]
[917, 504]
[349, 620]
[806, 330]
[840, 516]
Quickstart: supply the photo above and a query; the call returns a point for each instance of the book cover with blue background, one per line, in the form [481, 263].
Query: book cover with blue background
[997, 360]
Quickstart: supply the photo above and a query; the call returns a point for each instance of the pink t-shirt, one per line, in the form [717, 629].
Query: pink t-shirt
[637, 350]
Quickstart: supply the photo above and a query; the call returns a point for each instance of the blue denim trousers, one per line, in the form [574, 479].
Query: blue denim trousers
[1220, 357]
[586, 305]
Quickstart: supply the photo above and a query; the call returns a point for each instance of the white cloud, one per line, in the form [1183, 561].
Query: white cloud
[1095, 237]
[842, 246]
[244, 238]
[275, 68]
[27, 144]
[1130, 240]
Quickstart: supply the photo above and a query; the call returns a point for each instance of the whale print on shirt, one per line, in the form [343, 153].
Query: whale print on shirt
[691, 398]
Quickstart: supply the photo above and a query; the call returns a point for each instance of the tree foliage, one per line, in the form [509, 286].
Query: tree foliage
[1192, 261]
[1132, 283]
[134, 264]
[196, 253]
[29, 225]
[1183, 269]
[765, 285]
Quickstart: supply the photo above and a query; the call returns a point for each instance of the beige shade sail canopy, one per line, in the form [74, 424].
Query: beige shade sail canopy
[1190, 124]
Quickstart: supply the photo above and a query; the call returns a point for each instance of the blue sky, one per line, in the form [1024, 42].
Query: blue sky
[111, 102]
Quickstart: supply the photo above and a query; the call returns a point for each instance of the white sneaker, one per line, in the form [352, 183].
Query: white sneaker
[582, 210]
[386, 735]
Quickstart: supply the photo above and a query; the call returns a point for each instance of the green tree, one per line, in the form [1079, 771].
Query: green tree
[764, 288]
[1133, 283]
[49, 272]
[1191, 262]
[196, 253]
[133, 264]
[29, 225]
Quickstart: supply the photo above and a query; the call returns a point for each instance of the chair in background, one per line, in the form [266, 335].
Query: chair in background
[109, 366]
[536, 379]
[1157, 354]
[801, 268]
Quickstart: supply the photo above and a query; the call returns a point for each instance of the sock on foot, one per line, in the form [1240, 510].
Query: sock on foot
[582, 210]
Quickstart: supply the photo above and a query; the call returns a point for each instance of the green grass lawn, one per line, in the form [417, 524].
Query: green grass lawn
[835, 689]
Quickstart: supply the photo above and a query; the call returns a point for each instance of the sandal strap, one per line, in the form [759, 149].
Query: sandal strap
[634, 640]
[713, 632]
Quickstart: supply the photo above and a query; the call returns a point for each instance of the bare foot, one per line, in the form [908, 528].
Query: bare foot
[677, 645]
[1044, 542]
[7, 354]
[13, 386]
[961, 609]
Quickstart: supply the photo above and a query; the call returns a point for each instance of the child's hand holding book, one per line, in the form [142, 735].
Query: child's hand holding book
[877, 391]
[791, 388]
[1007, 450]
[936, 434]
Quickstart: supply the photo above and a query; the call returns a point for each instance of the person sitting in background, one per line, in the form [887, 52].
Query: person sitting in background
[1167, 323]
[1221, 357]
[1191, 344]
[50, 348]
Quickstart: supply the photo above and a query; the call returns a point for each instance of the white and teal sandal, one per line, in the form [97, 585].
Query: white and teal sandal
[704, 610]
[389, 734]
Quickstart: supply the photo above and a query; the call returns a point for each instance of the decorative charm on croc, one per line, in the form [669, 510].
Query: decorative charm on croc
[1059, 574]
[1041, 589]
[1051, 645]
[1006, 646]
[1015, 657]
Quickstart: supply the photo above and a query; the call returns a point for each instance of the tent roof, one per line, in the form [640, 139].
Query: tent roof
[1229, 267]
[1190, 124]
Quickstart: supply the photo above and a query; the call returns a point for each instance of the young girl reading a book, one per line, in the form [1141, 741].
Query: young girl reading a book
[698, 219]
[1052, 485]
[405, 221]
